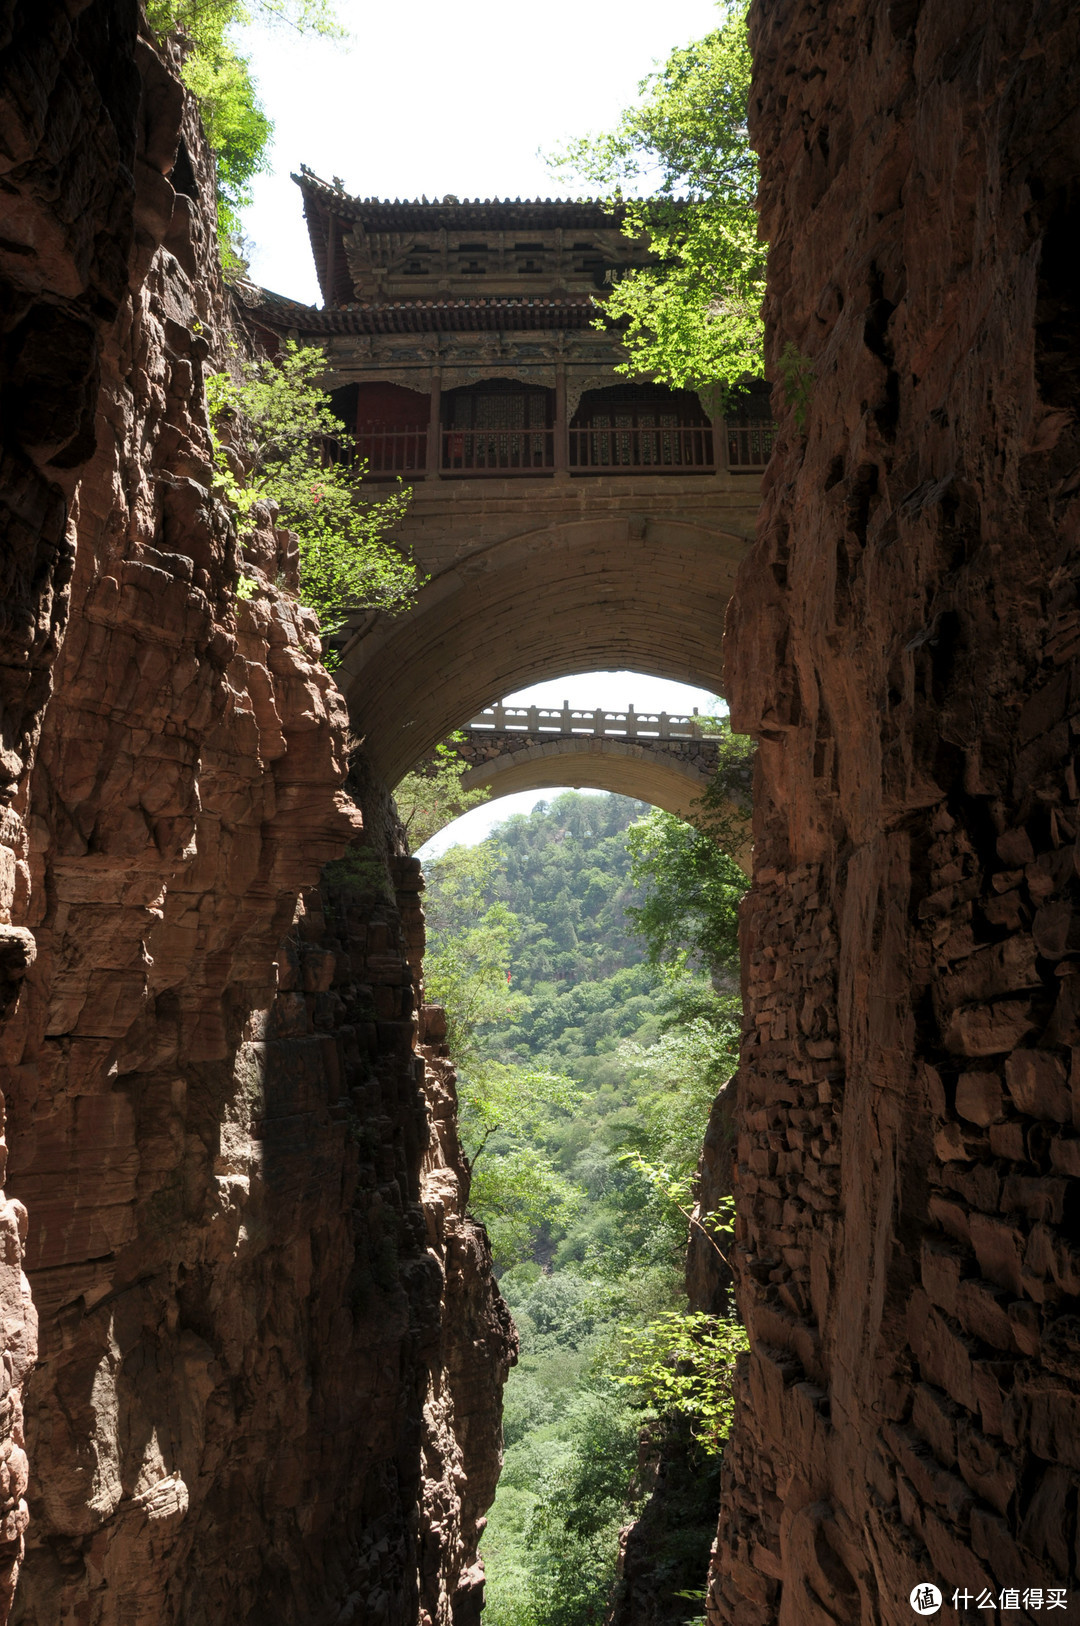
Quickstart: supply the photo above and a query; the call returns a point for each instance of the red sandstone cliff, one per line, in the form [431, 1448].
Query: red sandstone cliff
[904, 644]
[270, 1343]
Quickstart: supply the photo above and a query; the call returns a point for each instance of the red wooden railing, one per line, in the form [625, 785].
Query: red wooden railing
[668, 450]
[497, 451]
[390, 451]
[749, 444]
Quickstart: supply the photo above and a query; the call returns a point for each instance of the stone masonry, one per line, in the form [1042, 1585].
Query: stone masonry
[904, 644]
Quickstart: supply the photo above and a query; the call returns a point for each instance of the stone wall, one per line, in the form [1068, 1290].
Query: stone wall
[904, 644]
[270, 1344]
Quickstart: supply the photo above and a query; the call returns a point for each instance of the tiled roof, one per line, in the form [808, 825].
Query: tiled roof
[429, 214]
[416, 315]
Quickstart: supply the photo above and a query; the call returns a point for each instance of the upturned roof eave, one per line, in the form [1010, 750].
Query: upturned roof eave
[433, 212]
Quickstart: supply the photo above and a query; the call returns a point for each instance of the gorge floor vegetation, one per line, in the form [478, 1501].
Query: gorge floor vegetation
[589, 1055]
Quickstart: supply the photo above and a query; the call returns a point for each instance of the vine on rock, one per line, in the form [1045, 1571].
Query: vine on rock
[218, 74]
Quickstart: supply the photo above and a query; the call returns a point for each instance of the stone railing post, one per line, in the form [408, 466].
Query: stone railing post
[533, 717]
[631, 723]
[665, 730]
[566, 725]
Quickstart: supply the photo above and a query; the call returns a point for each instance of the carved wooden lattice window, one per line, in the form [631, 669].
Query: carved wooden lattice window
[640, 426]
[498, 425]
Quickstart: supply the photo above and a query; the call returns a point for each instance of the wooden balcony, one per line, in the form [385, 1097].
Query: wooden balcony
[392, 452]
[649, 450]
[497, 451]
[749, 445]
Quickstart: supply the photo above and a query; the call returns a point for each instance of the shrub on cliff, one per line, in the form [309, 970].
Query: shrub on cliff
[691, 884]
[432, 795]
[218, 75]
[273, 426]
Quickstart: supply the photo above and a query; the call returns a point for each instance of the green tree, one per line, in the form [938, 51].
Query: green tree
[272, 424]
[694, 319]
[218, 75]
[431, 795]
[690, 879]
[693, 890]
[684, 1363]
[467, 964]
[515, 1188]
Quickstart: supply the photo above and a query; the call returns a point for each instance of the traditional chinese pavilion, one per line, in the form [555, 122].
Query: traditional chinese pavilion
[461, 344]
[563, 518]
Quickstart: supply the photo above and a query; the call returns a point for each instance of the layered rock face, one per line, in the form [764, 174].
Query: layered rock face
[904, 644]
[270, 1343]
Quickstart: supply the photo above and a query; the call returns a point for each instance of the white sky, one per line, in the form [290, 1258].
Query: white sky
[432, 97]
[437, 96]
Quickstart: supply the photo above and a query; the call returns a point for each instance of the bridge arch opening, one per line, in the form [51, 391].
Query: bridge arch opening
[663, 751]
[634, 593]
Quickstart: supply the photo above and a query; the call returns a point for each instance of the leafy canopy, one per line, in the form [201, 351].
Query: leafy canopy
[692, 884]
[684, 1363]
[271, 422]
[467, 970]
[432, 795]
[218, 75]
[693, 320]
[583, 1102]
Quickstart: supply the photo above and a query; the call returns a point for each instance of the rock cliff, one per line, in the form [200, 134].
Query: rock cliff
[270, 1344]
[904, 645]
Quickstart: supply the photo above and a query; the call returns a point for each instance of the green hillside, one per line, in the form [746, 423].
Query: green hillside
[586, 1074]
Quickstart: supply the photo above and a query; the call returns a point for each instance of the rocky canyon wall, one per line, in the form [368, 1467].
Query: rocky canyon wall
[905, 645]
[269, 1343]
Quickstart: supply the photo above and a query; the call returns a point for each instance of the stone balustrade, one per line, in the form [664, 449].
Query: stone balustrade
[628, 724]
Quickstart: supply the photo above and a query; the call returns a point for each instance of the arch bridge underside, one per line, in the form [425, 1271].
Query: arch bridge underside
[666, 773]
[644, 594]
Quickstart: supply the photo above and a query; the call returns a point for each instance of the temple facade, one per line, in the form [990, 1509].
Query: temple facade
[462, 344]
[467, 357]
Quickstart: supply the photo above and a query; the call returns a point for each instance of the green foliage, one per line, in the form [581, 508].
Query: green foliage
[693, 320]
[218, 75]
[360, 869]
[692, 910]
[514, 956]
[571, 1448]
[584, 1096]
[271, 422]
[693, 885]
[684, 1363]
[797, 382]
[516, 1188]
[431, 796]
[466, 967]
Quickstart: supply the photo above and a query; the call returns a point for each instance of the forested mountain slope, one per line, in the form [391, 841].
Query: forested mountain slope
[586, 1076]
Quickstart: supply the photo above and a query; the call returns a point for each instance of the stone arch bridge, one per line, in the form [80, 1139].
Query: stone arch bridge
[640, 582]
[657, 757]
